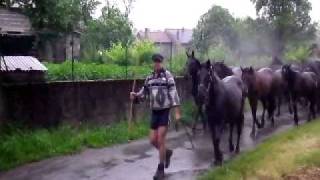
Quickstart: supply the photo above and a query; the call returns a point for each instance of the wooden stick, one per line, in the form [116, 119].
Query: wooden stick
[131, 107]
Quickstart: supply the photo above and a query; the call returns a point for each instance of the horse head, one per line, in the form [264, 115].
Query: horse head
[192, 65]
[287, 72]
[248, 76]
[207, 78]
[222, 69]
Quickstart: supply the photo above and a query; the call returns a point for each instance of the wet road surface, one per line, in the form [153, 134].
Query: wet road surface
[138, 160]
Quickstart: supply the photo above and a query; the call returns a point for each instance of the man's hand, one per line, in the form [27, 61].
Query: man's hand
[133, 95]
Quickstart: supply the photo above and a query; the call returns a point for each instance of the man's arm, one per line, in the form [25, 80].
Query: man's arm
[141, 93]
[173, 93]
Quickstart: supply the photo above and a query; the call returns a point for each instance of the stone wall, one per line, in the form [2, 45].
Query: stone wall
[48, 104]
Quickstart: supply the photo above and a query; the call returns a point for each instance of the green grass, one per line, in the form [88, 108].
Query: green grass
[19, 146]
[93, 71]
[276, 157]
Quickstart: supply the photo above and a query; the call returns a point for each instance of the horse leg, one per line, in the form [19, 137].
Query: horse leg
[295, 113]
[253, 104]
[215, 137]
[264, 106]
[312, 112]
[196, 120]
[289, 104]
[271, 108]
[203, 119]
[231, 147]
[239, 131]
[279, 105]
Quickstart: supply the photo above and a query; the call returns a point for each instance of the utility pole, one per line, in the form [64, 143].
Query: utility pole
[72, 56]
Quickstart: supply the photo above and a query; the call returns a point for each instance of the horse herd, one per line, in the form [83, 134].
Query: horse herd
[220, 91]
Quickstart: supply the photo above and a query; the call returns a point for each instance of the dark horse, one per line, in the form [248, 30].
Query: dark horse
[259, 84]
[281, 90]
[301, 84]
[193, 67]
[224, 105]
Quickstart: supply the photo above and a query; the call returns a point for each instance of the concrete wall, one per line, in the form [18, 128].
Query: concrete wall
[47, 104]
[2, 107]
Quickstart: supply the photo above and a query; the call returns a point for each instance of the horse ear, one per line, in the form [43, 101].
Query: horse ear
[192, 54]
[241, 68]
[251, 69]
[187, 54]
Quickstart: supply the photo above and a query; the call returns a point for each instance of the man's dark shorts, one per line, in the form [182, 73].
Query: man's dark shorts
[159, 118]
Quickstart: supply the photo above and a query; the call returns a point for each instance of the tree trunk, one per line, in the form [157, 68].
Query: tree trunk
[279, 44]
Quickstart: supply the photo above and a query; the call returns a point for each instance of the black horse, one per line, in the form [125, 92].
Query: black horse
[314, 66]
[224, 105]
[301, 84]
[193, 67]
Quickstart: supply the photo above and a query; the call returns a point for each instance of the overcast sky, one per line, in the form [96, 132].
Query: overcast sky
[160, 14]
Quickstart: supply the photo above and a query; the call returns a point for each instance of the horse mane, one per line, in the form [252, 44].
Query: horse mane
[225, 70]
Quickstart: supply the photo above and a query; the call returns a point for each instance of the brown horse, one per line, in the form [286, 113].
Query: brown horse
[301, 84]
[259, 84]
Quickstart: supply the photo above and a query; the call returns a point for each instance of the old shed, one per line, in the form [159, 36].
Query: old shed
[19, 38]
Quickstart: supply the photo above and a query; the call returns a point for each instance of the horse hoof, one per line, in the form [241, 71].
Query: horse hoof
[217, 163]
[193, 130]
[253, 134]
[237, 151]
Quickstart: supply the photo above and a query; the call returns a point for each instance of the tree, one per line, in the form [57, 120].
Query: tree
[110, 28]
[288, 19]
[213, 27]
[56, 15]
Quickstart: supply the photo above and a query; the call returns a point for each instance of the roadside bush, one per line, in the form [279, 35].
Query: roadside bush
[298, 54]
[177, 66]
[117, 55]
[139, 53]
[142, 52]
[217, 53]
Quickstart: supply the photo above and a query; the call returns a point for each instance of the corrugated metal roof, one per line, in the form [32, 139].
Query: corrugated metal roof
[22, 63]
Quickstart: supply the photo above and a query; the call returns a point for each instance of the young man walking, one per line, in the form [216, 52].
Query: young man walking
[161, 89]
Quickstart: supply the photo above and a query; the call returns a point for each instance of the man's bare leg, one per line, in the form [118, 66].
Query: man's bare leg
[153, 138]
[162, 132]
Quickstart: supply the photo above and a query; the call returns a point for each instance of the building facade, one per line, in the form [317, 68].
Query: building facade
[170, 41]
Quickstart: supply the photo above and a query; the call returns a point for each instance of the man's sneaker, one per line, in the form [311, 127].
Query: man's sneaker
[168, 157]
[160, 172]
